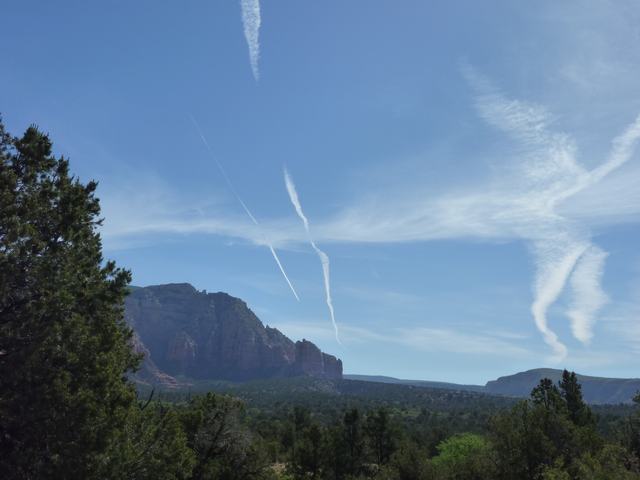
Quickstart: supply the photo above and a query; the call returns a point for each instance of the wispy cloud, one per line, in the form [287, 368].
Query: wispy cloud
[622, 319]
[588, 297]
[625, 324]
[421, 338]
[139, 206]
[540, 194]
[244, 206]
[555, 259]
[550, 174]
[383, 297]
[251, 22]
[324, 258]
[447, 340]
[522, 203]
[545, 172]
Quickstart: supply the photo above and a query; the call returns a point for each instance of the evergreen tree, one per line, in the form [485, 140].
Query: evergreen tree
[354, 441]
[571, 391]
[64, 346]
[408, 463]
[224, 449]
[152, 446]
[630, 430]
[547, 395]
[521, 446]
[307, 455]
[546, 435]
[379, 434]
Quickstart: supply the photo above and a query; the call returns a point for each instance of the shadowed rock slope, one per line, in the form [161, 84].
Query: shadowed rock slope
[185, 333]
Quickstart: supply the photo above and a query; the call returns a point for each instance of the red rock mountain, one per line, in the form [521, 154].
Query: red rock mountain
[214, 336]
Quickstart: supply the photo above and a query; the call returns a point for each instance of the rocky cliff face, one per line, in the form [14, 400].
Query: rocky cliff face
[187, 333]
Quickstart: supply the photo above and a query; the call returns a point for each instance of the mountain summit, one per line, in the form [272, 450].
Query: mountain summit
[213, 336]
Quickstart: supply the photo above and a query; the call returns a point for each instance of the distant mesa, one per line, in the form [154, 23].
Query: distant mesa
[187, 335]
[595, 390]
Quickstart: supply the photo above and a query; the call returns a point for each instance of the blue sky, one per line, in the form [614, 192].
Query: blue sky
[469, 168]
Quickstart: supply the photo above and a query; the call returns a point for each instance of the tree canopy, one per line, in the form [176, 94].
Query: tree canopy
[64, 346]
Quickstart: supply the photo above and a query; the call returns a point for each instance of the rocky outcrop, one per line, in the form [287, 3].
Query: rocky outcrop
[214, 336]
[312, 362]
[148, 372]
[332, 366]
[309, 359]
[182, 351]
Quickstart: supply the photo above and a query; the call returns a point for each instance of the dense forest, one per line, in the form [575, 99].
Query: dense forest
[554, 434]
[69, 409]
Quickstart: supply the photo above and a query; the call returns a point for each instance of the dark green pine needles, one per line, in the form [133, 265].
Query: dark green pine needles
[64, 346]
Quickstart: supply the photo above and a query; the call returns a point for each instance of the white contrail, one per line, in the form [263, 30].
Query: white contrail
[324, 259]
[550, 175]
[623, 148]
[588, 296]
[244, 206]
[251, 24]
[555, 259]
[275, 257]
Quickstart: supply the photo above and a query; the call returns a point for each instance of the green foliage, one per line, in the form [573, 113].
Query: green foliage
[409, 462]
[532, 440]
[546, 435]
[465, 456]
[630, 430]
[380, 435]
[519, 441]
[579, 412]
[224, 449]
[153, 445]
[64, 348]
[307, 458]
[353, 440]
[612, 462]
[547, 395]
[555, 472]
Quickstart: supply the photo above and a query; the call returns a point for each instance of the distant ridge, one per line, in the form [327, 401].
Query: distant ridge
[189, 336]
[417, 383]
[596, 390]
[186, 334]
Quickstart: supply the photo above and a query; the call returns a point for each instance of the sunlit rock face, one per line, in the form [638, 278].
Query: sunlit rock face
[214, 336]
[312, 362]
